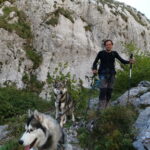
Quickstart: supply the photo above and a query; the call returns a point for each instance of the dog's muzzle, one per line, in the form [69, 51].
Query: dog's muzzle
[20, 142]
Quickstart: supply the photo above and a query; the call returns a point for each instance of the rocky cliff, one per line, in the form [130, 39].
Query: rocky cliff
[37, 34]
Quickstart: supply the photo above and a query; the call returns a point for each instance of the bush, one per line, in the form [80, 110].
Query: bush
[11, 1]
[112, 130]
[55, 16]
[53, 21]
[88, 27]
[11, 145]
[35, 57]
[22, 27]
[140, 70]
[16, 102]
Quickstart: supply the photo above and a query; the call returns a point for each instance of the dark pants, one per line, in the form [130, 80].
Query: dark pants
[106, 86]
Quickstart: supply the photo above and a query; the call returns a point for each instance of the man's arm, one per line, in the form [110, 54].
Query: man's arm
[121, 59]
[94, 67]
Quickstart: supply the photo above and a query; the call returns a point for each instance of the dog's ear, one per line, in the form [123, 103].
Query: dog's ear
[38, 116]
[30, 113]
[64, 82]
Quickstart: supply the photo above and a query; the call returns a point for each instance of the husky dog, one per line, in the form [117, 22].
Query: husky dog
[42, 132]
[63, 102]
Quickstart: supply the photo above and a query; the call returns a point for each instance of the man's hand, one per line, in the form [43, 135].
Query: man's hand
[94, 71]
[132, 61]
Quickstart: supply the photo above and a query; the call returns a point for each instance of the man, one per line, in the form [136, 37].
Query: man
[107, 71]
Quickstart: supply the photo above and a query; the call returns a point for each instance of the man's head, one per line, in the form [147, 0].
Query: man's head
[108, 44]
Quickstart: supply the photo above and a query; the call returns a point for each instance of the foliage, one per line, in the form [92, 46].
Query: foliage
[66, 13]
[16, 102]
[35, 57]
[11, 1]
[22, 28]
[88, 27]
[53, 21]
[140, 70]
[32, 84]
[11, 145]
[55, 16]
[100, 9]
[112, 130]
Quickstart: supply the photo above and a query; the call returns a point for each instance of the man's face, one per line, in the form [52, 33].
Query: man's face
[109, 46]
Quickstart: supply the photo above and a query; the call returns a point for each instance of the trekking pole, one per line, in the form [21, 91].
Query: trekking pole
[130, 76]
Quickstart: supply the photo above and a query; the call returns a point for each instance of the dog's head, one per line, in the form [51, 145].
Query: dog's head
[59, 88]
[35, 134]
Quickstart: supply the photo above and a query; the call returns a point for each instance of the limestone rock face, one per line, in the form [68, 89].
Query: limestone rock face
[13, 60]
[72, 31]
[140, 98]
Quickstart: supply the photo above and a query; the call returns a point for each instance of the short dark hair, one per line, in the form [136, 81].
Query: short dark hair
[108, 41]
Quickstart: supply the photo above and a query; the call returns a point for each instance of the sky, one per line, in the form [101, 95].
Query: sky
[141, 5]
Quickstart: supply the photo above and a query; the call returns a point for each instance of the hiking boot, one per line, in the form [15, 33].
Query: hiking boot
[108, 104]
[103, 104]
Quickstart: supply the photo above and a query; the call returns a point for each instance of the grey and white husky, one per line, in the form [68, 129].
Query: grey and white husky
[42, 132]
[64, 104]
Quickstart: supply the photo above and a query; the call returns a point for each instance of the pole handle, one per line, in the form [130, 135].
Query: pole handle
[131, 56]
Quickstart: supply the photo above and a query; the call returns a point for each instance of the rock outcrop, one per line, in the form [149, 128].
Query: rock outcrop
[63, 31]
[140, 98]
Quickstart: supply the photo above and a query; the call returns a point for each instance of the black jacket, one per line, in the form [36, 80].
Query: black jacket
[107, 62]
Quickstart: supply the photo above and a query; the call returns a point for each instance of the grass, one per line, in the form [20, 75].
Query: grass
[11, 1]
[100, 9]
[53, 21]
[35, 57]
[112, 130]
[23, 29]
[32, 84]
[16, 102]
[13, 109]
[88, 27]
[55, 16]
[11, 145]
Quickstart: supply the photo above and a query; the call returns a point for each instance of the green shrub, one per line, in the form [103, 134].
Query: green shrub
[53, 21]
[100, 9]
[11, 1]
[140, 70]
[22, 27]
[113, 130]
[35, 57]
[11, 145]
[55, 16]
[65, 13]
[16, 102]
[32, 84]
[88, 27]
